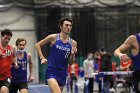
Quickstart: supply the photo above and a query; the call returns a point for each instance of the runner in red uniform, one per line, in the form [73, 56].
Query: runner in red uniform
[7, 56]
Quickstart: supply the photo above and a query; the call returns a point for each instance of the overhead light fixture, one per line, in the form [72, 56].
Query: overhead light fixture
[1, 6]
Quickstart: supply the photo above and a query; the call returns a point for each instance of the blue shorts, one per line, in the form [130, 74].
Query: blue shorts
[58, 74]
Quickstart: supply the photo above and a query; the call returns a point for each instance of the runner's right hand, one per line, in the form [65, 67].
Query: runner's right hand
[43, 61]
[124, 57]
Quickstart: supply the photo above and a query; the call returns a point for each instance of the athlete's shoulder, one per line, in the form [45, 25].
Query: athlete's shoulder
[28, 55]
[85, 60]
[52, 36]
[11, 47]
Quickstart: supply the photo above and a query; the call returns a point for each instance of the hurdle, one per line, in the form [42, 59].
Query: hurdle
[102, 74]
[67, 85]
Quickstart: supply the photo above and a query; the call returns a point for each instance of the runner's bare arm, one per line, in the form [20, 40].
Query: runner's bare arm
[125, 46]
[48, 39]
[30, 68]
[73, 51]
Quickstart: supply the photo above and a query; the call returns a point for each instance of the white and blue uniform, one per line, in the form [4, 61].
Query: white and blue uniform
[19, 75]
[58, 60]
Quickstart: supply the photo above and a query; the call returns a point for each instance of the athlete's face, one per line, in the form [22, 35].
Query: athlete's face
[5, 39]
[66, 27]
[90, 56]
[21, 45]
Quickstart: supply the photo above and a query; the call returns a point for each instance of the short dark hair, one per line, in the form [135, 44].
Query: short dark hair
[6, 32]
[102, 49]
[65, 19]
[19, 40]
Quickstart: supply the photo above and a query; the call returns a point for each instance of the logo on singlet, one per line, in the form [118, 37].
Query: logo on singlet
[5, 53]
[62, 48]
[65, 49]
[23, 63]
[8, 52]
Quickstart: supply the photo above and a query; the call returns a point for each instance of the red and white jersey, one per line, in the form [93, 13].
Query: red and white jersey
[5, 62]
[125, 64]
